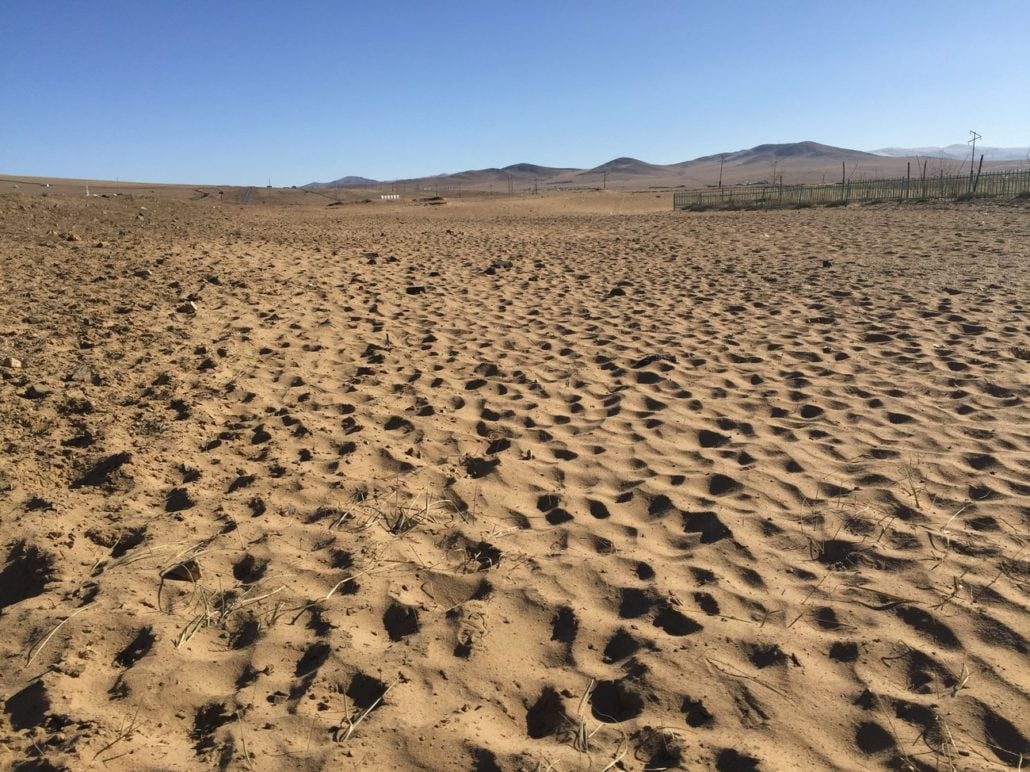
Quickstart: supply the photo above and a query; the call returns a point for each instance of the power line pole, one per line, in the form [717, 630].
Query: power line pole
[722, 159]
[972, 154]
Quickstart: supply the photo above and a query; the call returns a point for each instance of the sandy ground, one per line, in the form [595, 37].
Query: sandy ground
[547, 484]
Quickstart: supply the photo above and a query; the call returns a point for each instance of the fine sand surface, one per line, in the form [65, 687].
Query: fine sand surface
[557, 483]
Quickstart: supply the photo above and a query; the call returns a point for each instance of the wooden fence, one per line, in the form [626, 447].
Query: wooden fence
[999, 183]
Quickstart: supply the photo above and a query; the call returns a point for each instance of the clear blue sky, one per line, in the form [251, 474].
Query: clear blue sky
[239, 92]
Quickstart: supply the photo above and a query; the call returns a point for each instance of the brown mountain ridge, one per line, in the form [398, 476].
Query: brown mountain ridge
[784, 163]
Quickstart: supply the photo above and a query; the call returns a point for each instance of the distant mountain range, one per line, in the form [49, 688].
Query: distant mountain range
[958, 152]
[789, 163]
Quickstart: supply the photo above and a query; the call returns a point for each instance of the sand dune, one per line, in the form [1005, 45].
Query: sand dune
[550, 483]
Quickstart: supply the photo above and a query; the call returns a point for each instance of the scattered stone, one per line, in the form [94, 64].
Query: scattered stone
[189, 307]
[83, 374]
[498, 265]
[37, 392]
[11, 363]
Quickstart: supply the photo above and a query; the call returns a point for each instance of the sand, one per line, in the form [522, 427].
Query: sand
[550, 483]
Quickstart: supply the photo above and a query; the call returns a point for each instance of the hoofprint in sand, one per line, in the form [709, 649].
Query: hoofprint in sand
[552, 483]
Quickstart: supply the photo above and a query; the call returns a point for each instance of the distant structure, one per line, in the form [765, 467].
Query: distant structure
[389, 197]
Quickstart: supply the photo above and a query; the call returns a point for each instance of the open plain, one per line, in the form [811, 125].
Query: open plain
[556, 482]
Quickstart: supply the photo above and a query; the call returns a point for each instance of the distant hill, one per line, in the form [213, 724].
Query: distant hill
[958, 152]
[533, 170]
[764, 154]
[805, 150]
[789, 162]
[629, 167]
[343, 182]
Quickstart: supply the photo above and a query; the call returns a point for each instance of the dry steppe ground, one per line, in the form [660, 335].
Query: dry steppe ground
[552, 483]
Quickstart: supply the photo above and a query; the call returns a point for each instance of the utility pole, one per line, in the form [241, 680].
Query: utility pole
[722, 159]
[972, 155]
[605, 180]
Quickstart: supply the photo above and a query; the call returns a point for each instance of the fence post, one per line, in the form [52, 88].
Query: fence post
[1011, 182]
[978, 168]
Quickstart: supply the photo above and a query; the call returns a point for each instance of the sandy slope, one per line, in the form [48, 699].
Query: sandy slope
[545, 484]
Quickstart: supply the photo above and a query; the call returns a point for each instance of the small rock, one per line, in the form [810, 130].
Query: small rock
[36, 392]
[83, 374]
[497, 265]
[189, 307]
[11, 363]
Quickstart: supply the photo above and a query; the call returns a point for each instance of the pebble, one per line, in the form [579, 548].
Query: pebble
[82, 374]
[37, 392]
[11, 363]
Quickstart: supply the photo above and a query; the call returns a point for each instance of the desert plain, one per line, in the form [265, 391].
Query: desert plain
[559, 482]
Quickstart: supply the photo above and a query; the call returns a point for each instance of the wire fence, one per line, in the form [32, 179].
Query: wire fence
[1008, 183]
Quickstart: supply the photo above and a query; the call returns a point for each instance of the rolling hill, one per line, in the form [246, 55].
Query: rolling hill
[789, 163]
[343, 182]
